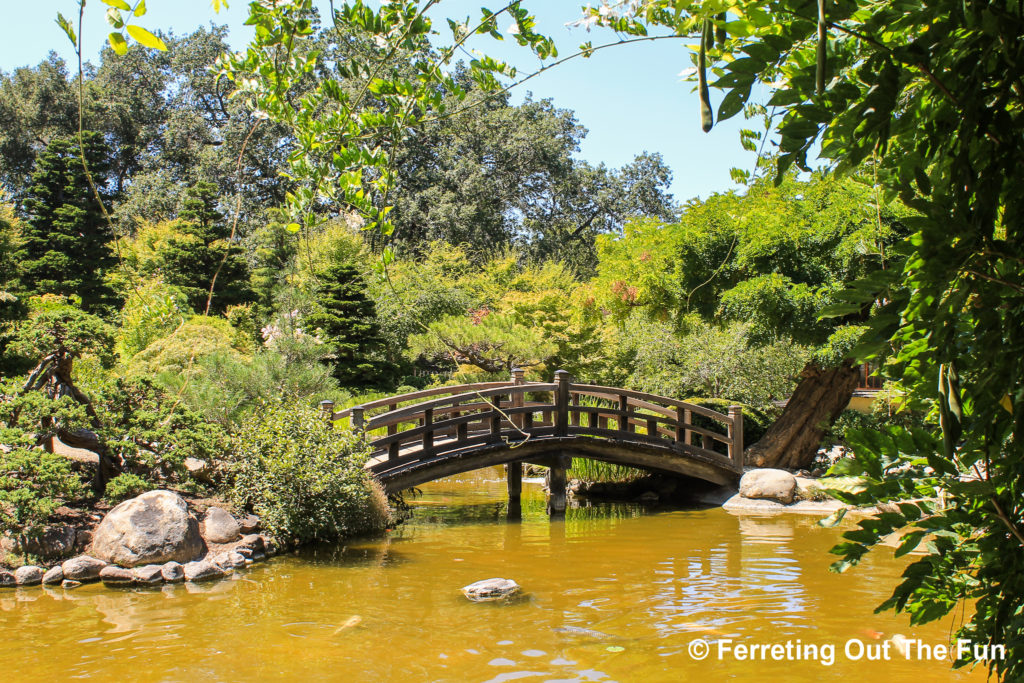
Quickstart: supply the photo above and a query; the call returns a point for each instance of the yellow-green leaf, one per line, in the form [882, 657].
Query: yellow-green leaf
[293, 227]
[140, 8]
[65, 26]
[146, 38]
[217, 4]
[118, 42]
[119, 4]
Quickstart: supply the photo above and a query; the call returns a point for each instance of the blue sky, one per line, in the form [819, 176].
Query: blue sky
[630, 98]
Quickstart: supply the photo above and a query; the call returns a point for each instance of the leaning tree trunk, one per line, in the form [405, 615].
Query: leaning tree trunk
[792, 441]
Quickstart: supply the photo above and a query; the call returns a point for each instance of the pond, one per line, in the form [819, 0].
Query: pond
[615, 592]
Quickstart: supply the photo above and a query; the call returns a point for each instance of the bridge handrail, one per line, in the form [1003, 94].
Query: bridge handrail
[414, 395]
[407, 412]
[652, 400]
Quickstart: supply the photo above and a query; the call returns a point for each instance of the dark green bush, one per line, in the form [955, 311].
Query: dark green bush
[125, 486]
[303, 478]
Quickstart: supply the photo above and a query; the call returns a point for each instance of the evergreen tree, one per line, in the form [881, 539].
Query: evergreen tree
[66, 242]
[273, 251]
[344, 317]
[192, 259]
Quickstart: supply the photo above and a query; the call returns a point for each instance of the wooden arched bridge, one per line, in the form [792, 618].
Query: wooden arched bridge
[426, 435]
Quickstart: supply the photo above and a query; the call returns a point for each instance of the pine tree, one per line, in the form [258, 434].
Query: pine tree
[67, 239]
[345, 318]
[191, 260]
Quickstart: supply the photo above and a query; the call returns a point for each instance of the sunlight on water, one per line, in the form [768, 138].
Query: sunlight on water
[613, 593]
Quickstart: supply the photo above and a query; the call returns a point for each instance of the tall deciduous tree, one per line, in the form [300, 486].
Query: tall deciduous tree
[66, 243]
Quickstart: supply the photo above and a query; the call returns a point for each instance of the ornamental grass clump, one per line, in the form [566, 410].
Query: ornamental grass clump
[304, 478]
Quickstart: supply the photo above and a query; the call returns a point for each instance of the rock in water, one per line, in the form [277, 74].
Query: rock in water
[55, 575]
[203, 570]
[29, 575]
[82, 568]
[116, 576]
[7, 578]
[148, 575]
[219, 526]
[769, 484]
[172, 572]
[153, 528]
[491, 589]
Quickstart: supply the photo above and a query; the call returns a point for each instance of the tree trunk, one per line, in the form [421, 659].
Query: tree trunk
[792, 441]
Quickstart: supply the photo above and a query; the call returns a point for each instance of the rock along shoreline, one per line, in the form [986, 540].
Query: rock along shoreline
[151, 540]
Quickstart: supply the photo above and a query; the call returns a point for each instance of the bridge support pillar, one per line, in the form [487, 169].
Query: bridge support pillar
[557, 483]
[514, 478]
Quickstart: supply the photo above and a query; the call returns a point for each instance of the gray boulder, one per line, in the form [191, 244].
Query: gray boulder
[236, 559]
[55, 575]
[249, 524]
[219, 526]
[153, 528]
[148, 575]
[28, 575]
[769, 484]
[52, 542]
[203, 570]
[7, 578]
[83, 568]
[116, 576]
[489, 590]
[252, 542]
[172, 572]
[199, 470]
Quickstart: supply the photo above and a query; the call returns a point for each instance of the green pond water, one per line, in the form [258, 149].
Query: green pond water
[615, 592]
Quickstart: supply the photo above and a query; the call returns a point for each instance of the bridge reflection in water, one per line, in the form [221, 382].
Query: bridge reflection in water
[425, 435]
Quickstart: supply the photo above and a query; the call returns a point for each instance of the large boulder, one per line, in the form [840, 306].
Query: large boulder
[219, 526]
[769, 484]
[29, 575]
[491, 589]
[52, 542]
[153, 528]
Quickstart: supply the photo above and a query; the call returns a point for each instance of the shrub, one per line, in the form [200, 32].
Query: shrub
[125, 486]
[33, 484]
[304, 479]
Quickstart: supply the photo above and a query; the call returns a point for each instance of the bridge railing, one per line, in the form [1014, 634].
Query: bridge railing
[425, 424]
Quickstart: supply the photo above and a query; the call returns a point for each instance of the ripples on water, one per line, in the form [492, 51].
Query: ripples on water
[613, 593]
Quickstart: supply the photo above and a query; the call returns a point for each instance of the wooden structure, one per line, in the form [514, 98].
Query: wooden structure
[426, 435]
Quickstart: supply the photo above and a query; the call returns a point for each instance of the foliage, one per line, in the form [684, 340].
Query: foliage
[196, 338]
[33, 484]
[125, 486]
[58, 328]
[342, 317]
[304, 479]
[591, 471]
[154, 311]
[65, 247]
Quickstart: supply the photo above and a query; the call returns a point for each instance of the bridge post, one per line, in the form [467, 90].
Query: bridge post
[736, 435]
[514, 470]
[562, 380]
[557, 484]
[357, 419]
[327, 408]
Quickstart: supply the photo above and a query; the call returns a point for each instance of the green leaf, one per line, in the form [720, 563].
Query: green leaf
[119, 4]
[65, 26]
[833, 519]
[146, 38]
[118, 42]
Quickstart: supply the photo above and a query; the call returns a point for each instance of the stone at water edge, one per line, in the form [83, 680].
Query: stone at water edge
[7, 578]
[70, 583]
[203, 570]
[236, 559]
[55, 575]
[769, 484]
[83, 568]
[28, 575]
[252, 542]
[116, 576]
[52, 542]
[148, 575]
[172, 572]
[153, 528]
[219, 526]
[490, 589]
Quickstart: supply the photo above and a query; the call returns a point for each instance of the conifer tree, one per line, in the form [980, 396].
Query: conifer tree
[344, 318]
[67, 239]
[192, 259]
